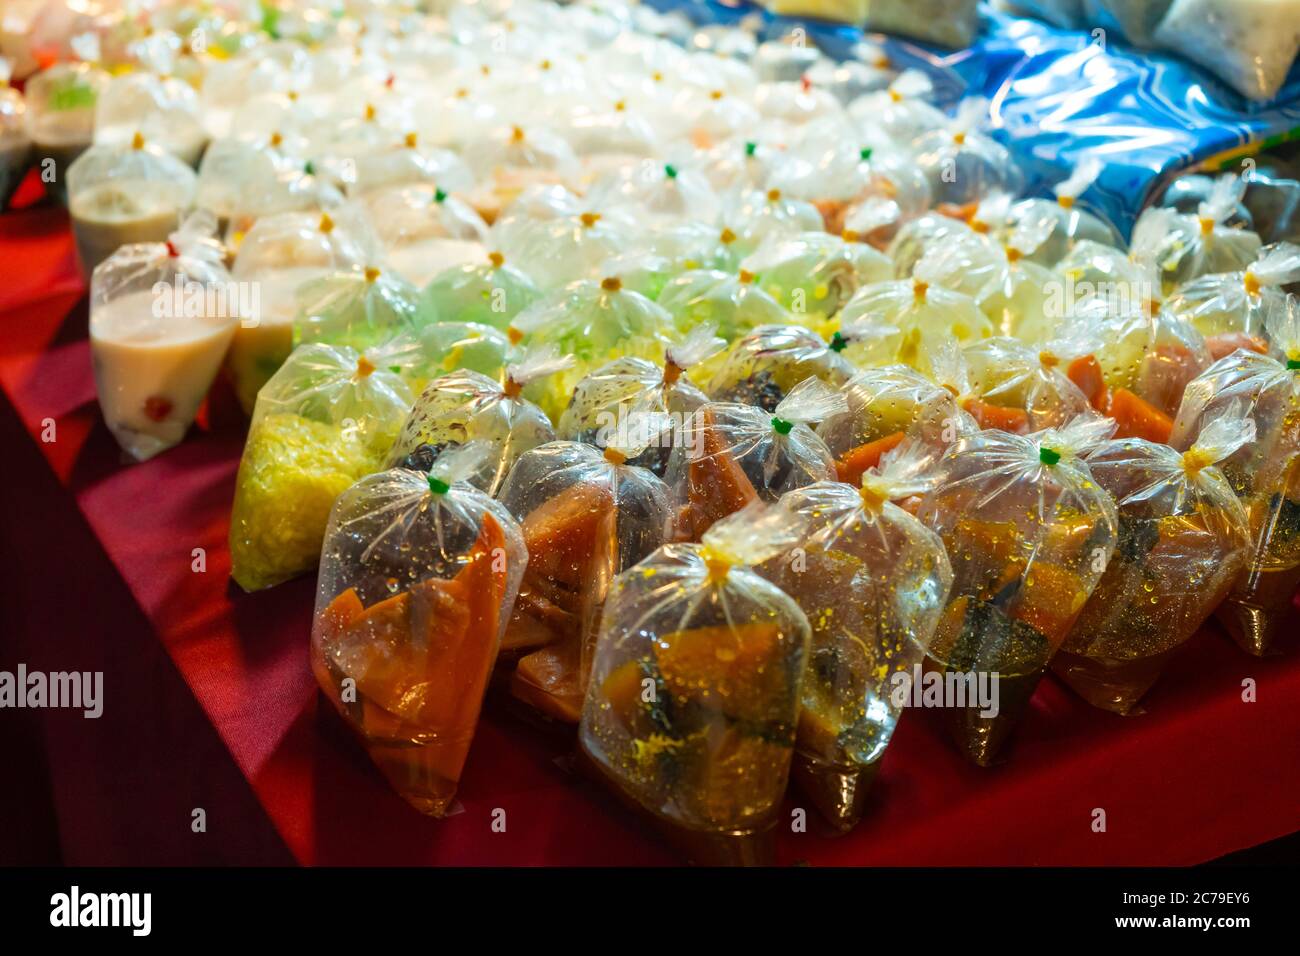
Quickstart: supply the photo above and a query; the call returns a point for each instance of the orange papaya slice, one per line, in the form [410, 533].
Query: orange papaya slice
[1085, 372]
[1137, 418]
[862, 459]
[550, 680]
[716, 485]
[995, 416]
[1226, 343]
[561, 533]
[736, 670]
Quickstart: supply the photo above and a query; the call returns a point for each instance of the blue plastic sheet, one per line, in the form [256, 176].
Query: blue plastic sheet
[1058, 95]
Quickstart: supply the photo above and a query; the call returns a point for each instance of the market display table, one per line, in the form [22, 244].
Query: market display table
[209, 702]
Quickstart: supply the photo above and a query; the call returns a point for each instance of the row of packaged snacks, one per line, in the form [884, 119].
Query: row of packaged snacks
[697, 403]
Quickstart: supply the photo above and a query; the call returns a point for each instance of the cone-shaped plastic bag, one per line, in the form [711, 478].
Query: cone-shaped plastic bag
[278, 256]
[426, 231]
[161, 318]
[587, 516]
[358, 309]
[872, 581]
[1265, 473]
[694, 697]
[733, 303]
[594, 322]
[814, 274]
[120, 195]
[1029, 532]
[564, 248]
[462, 406]
[604, 402]
[764, 366]
[758, 217]
[728, 455]
[1250, 46]
[491, 292]
[1183, 540]
[324, 420]
[887, 406]
[1230, 308]
[418, 577]
[1205, 244]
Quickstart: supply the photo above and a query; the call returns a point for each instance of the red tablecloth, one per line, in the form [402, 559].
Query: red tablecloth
[209, 701]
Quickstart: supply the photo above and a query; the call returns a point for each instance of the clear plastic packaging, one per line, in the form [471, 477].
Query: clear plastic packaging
[727, 455]
[488, 292]
[419, 574]
[278, 256]
[1072, 223]
[763, 367]
[872, 581]
[653, 191]
[510, 159]
[1250, 46]
[1205, 244]
[1265, 474]
[604, 401]
[886, 407]
[758, 217]
[161, 318]
[1183, 540]
[1021, 388]
[61, 116]
[1230, 307]
[964, 165]
[903, 112]
[1028, 532]
[448, 346]
[731, 302]
[462, 406]
[425, 231]
[594, 321]
[587, 515]
[561, 249]
[814, 274]
[325, 419]
[164, 110]
[693, 703]
[358, 309]
[121, 195]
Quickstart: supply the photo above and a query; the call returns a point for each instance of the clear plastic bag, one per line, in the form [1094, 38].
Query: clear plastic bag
[586, 516]
[1021, 388]
[886, 407]
[120, 195]
[872, 581]
[1265, 473]
[814, 274]
[278, 256]
[561, 249]
[950, 23]
[462, 406]
[426, 231]
[595, 322]
[607, 398]
[655, 192]
[693, 703]
[1029, 532]
[764, 366]
[358, 309]
[161, 318]
[962, 164]
[727, 455]
[1183, 540]
[1249, 45]
[903, 112]
[902, 321]
[164, 111]
[1072, 223]
[418, 577]
[1205, 244]
[1230, 308]
[732, 303]
[61, 116]
[489, 292]
[448, 346]
[406, 162]
[758, 217]
[325, 419]
[510, 159]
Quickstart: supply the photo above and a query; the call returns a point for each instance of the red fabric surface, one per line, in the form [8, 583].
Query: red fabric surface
[1199, 775]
